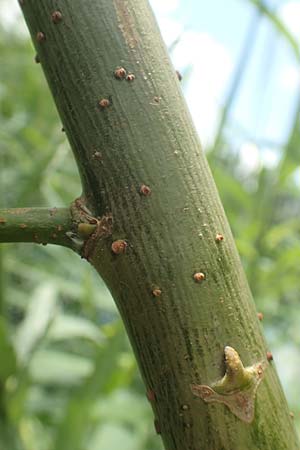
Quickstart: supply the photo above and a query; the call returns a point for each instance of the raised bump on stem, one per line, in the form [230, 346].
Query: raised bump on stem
[237, 389]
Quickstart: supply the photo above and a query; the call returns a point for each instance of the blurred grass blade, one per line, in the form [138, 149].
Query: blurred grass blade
[279, 25]
[2, 250]
[237, 78]
[7, 354]
[291, 156]
[34, 326]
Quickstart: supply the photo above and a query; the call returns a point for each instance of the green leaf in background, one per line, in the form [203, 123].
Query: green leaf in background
[40, 312]
[8, 363]
[283, 31]
[71, 327]
[51, 367]
[73, 431]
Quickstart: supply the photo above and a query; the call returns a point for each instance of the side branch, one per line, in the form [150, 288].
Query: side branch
[37, 225]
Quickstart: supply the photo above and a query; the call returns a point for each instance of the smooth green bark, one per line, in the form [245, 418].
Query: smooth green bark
[39, 225]
[144, 137]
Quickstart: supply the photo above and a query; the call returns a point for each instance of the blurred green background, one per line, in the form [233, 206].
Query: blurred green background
[68, 379]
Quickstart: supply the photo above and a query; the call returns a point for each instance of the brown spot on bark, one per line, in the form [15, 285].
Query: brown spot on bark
[56, 17]
[104, 103]
[259, 370]
[157, 426]
[260, 316]
[199, 276]
[269, 356]
[120, 73]
[156, 292]
[219, 237]
[2, 221]
[130, 77]
[179, 76]
[145, 190]
[150, 395]
[118, 247]
[40, 36]
[98, 156]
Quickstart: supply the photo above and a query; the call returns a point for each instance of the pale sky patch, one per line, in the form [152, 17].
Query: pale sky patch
[11, 16]
[9, 12]
[296, 177]
[249, 160]
[211, 66]
[290, 14]
[252, 158]
[288, 361]
[170, 29]
[270, 157]
[289, 78]
[161, 7]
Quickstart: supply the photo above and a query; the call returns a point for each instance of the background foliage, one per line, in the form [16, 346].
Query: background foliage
[68, 379]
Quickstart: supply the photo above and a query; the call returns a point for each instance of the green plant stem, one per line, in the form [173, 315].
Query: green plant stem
[38, 225]
[127, 134]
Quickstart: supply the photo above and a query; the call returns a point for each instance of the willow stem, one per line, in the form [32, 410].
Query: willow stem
[38, 225]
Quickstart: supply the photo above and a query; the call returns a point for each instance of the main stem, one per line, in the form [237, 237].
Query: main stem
[169, 258]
